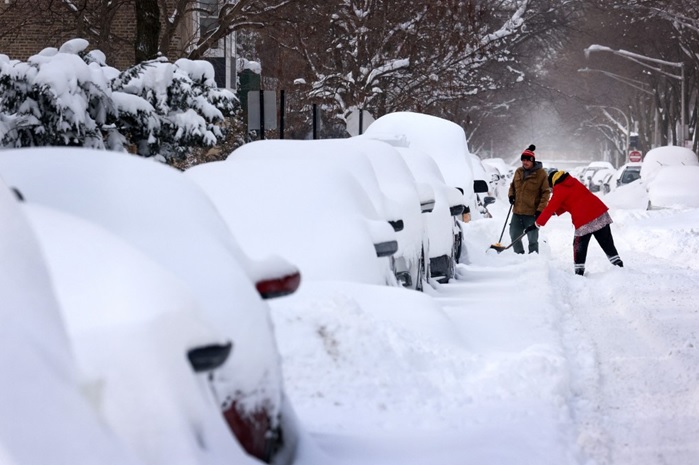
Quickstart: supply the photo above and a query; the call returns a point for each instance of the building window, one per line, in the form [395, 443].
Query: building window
[208, 19]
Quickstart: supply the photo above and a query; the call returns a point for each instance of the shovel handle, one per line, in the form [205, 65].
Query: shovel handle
[503, 226]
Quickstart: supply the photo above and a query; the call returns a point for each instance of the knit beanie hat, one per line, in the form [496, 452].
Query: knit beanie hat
[556, 177]
[528, 154]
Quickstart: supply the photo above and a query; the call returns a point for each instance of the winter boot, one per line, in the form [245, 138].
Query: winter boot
[579, 269]
[615, 260]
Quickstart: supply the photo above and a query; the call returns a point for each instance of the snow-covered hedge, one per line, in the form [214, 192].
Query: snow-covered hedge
[69, 97]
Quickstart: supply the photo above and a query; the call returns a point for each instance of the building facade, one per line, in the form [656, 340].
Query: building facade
[29, 26]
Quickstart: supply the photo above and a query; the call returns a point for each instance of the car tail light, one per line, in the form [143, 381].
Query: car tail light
[254, 432]
[279, 287]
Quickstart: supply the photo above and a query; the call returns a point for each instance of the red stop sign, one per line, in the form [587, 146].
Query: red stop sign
[634, 156]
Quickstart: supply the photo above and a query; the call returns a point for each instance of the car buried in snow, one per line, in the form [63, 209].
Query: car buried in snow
[627, 174]
[45, 416]
[143, 351]
[315, 214]
[160, 212]
[442, 228]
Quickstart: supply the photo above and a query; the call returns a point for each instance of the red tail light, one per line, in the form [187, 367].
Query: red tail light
[254, 432]
[279, 287]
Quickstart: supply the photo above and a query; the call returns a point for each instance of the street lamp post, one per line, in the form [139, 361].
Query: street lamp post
[636, 84]
[644, 61]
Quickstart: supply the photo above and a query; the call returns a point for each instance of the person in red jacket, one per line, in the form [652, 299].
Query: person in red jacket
[589, 214]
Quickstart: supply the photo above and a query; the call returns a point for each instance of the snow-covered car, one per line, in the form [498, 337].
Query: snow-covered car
[143, 351]
[443, 231]
[589, 172]
[445, 143]
[626, 174]
[443, 140]
[45, 416]
[496, 171]
[674, 187]
[397, 205]
[482, 177]
[162, 213]
[599, 178]
[577, 172]
[658, 158]
[315, 214]
[399, 185]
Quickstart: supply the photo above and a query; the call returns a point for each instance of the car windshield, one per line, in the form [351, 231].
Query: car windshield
[630, 175]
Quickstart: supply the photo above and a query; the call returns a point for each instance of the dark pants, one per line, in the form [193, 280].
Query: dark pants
[605, 240]
[517, 226]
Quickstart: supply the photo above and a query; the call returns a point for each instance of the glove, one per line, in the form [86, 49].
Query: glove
[512, 200]
[531, 228]
[536, 215]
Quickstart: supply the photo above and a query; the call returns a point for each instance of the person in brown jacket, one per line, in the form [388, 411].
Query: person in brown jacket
[529, 194]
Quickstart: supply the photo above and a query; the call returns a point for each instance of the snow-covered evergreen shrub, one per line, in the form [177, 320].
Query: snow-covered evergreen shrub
[184, 96]
[55, 98]
[69, 97]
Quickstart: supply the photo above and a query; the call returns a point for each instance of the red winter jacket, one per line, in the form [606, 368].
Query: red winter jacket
[570, 195]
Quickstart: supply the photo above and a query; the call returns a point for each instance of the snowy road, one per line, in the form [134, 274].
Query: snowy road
[518, 362]
[638, 402]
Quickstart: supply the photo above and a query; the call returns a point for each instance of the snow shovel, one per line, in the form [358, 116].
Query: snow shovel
[498, 243]
[501, 248]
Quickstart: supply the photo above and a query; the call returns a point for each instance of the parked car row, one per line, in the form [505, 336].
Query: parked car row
[666, 178]
[313, 202]
[593, 176]
[139, 291]
[445, 143]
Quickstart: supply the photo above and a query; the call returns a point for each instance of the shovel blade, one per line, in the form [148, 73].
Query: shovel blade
[497, 247]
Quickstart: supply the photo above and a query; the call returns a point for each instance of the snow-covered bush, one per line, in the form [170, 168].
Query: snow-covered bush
[186, 100]
[55, 98]
[69, 97]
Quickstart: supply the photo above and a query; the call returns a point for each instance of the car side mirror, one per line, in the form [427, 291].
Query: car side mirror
[397, 225]
[427, 207]
[457, 210]
[488, 200]
[480, 186]
[386, 249]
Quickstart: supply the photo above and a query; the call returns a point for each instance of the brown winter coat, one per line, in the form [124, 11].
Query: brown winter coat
[531, 194]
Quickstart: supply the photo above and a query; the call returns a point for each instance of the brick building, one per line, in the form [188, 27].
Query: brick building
[28, 26]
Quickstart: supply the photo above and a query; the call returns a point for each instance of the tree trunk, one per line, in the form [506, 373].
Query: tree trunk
[147, 29]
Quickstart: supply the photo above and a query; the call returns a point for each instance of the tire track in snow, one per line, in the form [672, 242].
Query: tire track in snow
[632, 335]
